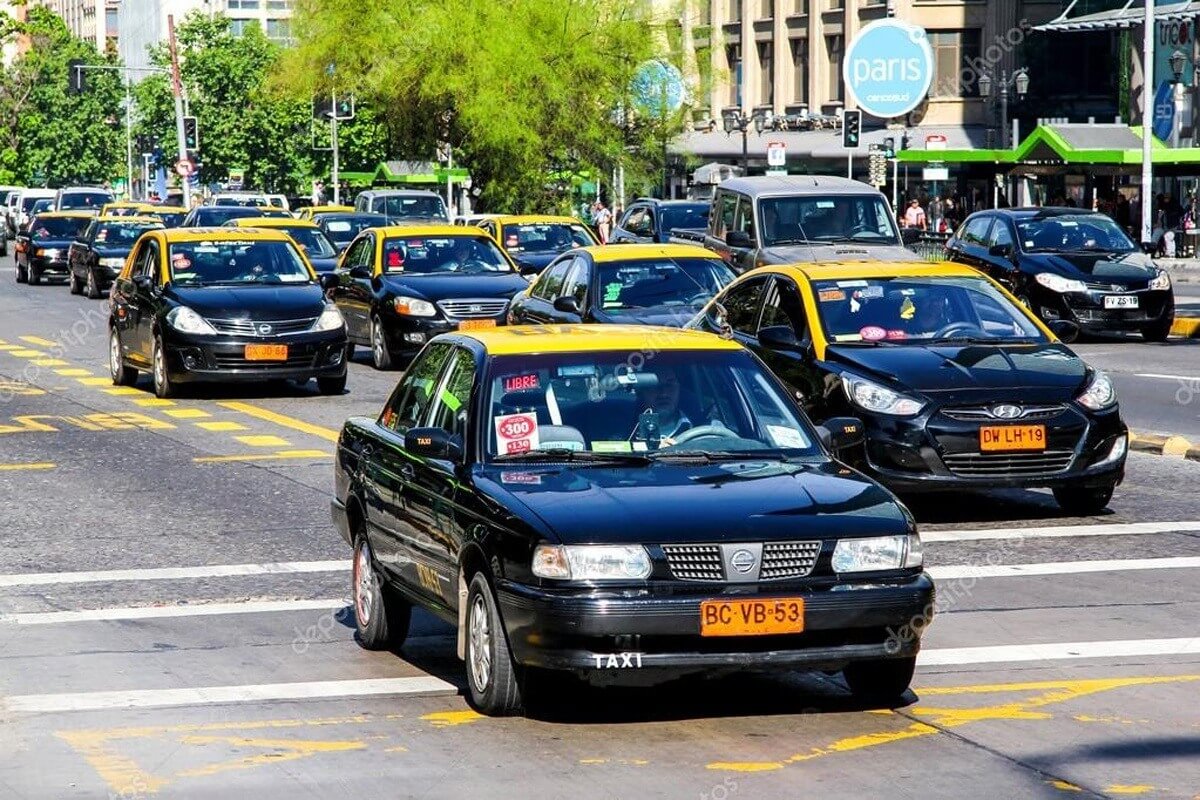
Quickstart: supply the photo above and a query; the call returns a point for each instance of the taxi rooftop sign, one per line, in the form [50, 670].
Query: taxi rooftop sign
[889, 67]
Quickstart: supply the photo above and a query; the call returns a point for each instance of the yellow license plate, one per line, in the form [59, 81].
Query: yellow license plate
[266, 352]
[1001, 438]
[476, 324]
[751, 617]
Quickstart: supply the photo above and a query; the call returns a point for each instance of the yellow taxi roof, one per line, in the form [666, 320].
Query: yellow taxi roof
[150, 207]
[130, 218]
[67, 214]
[431, 230]
[123, 204]
[324, 209]
[533, 219]
[535, 339]
[275, 222]
[634, 252]
[873, 269]
[173, 235]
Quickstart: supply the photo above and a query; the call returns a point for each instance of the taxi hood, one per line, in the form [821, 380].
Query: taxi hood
[255, 301]
[750, 500]
[452, 285]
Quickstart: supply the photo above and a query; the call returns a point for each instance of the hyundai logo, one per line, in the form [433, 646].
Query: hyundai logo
[265, 329]
[743, 561]
[1007, 411]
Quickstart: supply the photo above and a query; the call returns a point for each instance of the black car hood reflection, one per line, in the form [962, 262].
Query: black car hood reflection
[751, 500]
[536, 261]
[1051, 368]
[667, 316]
[323, 264]
[1133, 266]
[257, 301]
[443, 286]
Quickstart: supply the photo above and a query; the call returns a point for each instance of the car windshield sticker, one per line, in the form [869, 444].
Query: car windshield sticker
[870, 292]
[521, 383]
[612, 447]
[612, 291]
[832, 295]
[851, 284]
[785, 437]
[102, 235]
[854, 305]
[872, 333]
[516, 433]
[892, 335]
[525, 478]
[825, 204]
[907, 309]
[1066, 223]
[337, 226]
[577, 370]
[1029, 244]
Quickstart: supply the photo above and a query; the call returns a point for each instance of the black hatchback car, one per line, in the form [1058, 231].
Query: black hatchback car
[651, 220]
[223, 305]
[571, 506]
[96, 258]
[42, 245]
[1068, 264]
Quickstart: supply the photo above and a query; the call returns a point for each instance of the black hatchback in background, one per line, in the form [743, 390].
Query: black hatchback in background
[651, 221]
[95, 259]
[1068, 264]
[41, 248]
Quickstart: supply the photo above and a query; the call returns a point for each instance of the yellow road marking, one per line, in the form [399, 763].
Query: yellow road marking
[37, 465]
[187, 413]
[95, 381]
[73, 372]
[1065, 786]
[263, 441]
[9, 347]
[282, 419]
[124, 391]
[448, 719]
[27, 353]
[221, 426]
[49, 362]
[1124, 788]
[281, 455]
[20, 388]
[281, 750]
[153, 402]
[39, 341]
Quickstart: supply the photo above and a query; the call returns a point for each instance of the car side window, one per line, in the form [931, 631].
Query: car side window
[576, 283]
[782, 307]
[636, 221]
[648, 222]
[550, 285]
[744, 219]
[1000, 235]
[741, 306]
[451, 409]
[726, 209]
[412, 398]
[149, 264]
[976, 231]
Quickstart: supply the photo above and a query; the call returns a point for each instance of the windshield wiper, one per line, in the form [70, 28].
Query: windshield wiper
[567, 454]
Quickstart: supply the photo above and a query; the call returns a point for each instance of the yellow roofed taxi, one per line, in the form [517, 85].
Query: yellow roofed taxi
[534, 240]
[98, 254]
[171, 216]
[958, 384]
[304, 232]
[42, 246]
[308, 212]
[650, 284]
[220, 305]
[557, 449]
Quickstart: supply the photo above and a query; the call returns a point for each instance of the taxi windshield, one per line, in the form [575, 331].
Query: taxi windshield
[549, 237]
[710, 403]
[441, 254]
[920, 311]
[209, 263]
[661, 282]
[219, 215]
[343, 229]
[171, 219]
[58, 227]
[315, 243]
[83, 200]
[121, 235]
[1073, 232]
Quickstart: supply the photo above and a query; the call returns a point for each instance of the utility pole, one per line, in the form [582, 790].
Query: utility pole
[1147, 120]
[177, 89]
[333, 138]
[128, 139]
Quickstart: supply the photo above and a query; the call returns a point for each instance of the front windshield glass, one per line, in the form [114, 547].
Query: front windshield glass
[1073, 232]
[694, 215]
[919, 311]
[83, 200]
[862, 219]
[171, 219]
[122, 211]
[400, 207]
[342, 230]
[314, 243]
[253, 202]
[219, 215]
[58, 227]
[29, 201]
[717, 401]
[239, 263]
[550, 237]
[121, 235]
[441, 254]
[685, 284]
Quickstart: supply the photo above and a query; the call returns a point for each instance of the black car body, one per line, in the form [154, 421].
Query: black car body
[648, 220]
[42, 246]
[398, 288]
[957, 384]
[533, 241]
[341, 227]
[82, 198]
[212, 216]
[646, 284]
[1068, 264]
[97, 257]
[223, 305]
[537, 554]
[320, 252]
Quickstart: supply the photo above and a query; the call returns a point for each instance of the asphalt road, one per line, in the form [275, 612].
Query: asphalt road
[173, 624]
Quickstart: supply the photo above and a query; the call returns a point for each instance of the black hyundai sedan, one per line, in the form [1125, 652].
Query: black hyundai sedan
[1068, 264]
[958, 385]
[221, 305]
[42, 246]
[96, 258]
[400, 286]
[572, 506]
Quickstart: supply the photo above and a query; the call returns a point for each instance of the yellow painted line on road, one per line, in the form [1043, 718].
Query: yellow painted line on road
[186, 413]
[1187, 327]
[1064, 786]
[450, 719]
[221, 425]
[6, 347]
[49, 362]
[73, 372]
[33, 466]
[39, 341]
[282, 419]
[96, 381]
[124, 391]
[282, 455]
[27, 353]
[263, 441]
[1126, 788]
[154, 402]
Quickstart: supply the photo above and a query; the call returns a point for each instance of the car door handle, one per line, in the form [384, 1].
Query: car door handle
[407, 471]
[367, 451]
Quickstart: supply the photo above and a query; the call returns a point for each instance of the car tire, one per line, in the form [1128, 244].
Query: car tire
[92, 289]
[381, 356]
[349, 356]
[332, 384]
[493, 679]
[163, 388]
[73, 283]
[381, 616]
[1083, 501]
[35, 275]
[881, 681]
[21, 277]
[1160, 330]
[121, 374]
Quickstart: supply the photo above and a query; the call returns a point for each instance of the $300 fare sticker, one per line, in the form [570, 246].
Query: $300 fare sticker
[516, 433]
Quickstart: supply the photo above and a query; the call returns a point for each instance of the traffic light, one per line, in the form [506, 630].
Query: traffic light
[322, 106]
[889, 147]
[191, 134]
[851, 129]
[75, 76]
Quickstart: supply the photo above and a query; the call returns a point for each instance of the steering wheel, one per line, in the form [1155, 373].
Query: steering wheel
[703, 432]
[958, 326]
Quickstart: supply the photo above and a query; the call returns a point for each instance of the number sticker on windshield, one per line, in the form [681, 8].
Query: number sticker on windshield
[785, 437]
[516, 433]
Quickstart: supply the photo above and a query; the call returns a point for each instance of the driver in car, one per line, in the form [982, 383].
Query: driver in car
[660, 410]
[463, 252]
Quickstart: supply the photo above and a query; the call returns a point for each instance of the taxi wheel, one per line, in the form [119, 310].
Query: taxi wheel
[20, 273]
[121, 374]
[35, 275]
[381, 357]
[73, 283]
[1085, 501]
[492, 677]
[335, 384]
[162, 380]
[93, 289]
[381, 616]
[881, 681]
[1159, 331]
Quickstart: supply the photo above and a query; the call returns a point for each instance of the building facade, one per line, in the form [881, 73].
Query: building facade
[143, 23]
[91, 20]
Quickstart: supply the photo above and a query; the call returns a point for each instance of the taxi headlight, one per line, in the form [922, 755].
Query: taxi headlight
[1099, 394]
[330, 319]
[1160, 281]
[1057, 283]
[877, 553]
[114, 262]
[49, 252]
[414, 307]
[880, 399]
[185, 320]
[591, 562]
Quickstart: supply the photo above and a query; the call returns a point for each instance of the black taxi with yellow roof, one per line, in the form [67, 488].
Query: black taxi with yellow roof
[958, 383]
[307, 234]
[534, 240]
[221, 305]
[42, 246]
[98, 255]
[399, 286]
[626, 503]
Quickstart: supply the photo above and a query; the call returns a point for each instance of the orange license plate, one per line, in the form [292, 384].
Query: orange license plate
[266, 352]
[476, 324]
[751, 617]
[1000, 438]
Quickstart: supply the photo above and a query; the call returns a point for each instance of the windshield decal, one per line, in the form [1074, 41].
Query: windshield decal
[785, 437]
[516, 433]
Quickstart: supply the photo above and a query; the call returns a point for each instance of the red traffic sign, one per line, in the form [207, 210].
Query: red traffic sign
[184, 167]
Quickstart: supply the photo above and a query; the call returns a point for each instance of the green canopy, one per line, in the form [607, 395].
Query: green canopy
[1074, 144]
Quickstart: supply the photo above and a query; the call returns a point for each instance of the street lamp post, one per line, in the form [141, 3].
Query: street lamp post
[734, 119]
[1019, 82]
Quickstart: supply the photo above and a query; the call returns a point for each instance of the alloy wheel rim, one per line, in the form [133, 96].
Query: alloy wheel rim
[160, 369]
[481, 646]
[364, 585]
[114, 354]
[376, 342]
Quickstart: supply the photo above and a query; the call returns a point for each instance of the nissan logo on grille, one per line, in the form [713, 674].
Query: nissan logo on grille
[743, 561]
[1007, 411]
[265, 329]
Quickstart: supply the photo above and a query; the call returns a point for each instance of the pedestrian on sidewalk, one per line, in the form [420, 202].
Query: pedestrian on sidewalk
[914, 215]
[602, 219]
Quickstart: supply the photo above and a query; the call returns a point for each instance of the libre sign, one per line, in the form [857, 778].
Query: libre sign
[889, 67]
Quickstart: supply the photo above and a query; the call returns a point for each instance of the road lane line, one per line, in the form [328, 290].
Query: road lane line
[186, 413]
[173, 573]
[1055, 532]
[49, 362]
[263, 440]
[282, 455]
[168, 612]
[220, 425]
[27, 353]
[1056, 651]
[153, 402]
[1059, 568]
[426, 685]
[73, 372]
[38, 465]
[281, 419]
[39, 341]
[1164, 377]
[95, 381]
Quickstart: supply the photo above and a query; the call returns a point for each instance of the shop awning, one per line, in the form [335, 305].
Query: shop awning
[1071, 144]
[818, 144]
[416, 172]
[1128, 15]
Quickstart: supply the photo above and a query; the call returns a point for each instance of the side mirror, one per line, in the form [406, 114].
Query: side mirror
[910, 235]
[567, 304]
[841, 433]
[433, 443]
[778, 337]
[1064, 329]
[528, 269]
[328, 280]
[1149, 248]
[142, 282]
[739, 239]
[360, 272]
[1001, 250]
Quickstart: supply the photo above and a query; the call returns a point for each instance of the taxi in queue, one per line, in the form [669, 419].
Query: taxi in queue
[41, 247]
[308, 212]
[646, 284]
[97, 256]
[220, 305]
[958, 383]
[531, 461]
[400, 285]
[305, 233]
[171, 216]
[534, 240]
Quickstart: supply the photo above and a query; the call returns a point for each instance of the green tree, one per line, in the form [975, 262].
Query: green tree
[522, 89]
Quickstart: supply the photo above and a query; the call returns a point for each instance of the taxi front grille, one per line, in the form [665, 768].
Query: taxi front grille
[998, 465]
[979, 413]
[473, 309]
[788, 559]
[262, 328]
[695, 562]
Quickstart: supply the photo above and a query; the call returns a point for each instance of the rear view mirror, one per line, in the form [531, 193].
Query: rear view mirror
[360, 272]
[566, 304]
[328, 280]
[841, 433]
[739, 239]
[1065, 330]
[1000, 250]
[910, 235]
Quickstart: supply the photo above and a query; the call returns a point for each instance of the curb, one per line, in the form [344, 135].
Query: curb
[1159, 445]
[1187, 327]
